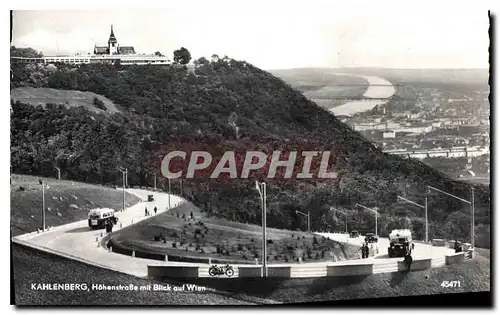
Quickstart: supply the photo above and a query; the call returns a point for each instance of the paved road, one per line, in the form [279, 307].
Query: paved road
[381, 260]
[77, 241]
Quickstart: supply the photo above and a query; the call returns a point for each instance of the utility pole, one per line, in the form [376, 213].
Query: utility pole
[169, 193]
[344, 213]
[471, 203]
[43, 204]
[424, 207]
[472, 218]
[261, 188]
[58, 172]
[376, 215]
[124, 179]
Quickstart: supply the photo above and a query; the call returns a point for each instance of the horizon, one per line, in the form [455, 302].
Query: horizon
[283, 39]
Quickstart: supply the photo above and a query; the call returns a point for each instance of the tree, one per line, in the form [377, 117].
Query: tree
[182, 56]
[159, 54]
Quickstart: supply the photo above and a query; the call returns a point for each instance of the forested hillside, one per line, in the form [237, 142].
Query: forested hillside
[227, 105]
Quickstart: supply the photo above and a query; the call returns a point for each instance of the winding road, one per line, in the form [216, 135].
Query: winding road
[77, 241]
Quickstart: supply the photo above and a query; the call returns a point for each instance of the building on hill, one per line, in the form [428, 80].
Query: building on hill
[113, 53]
[113, 47]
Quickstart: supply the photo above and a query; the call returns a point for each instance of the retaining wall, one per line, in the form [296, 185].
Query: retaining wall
[173, 271]
[417, 264]
[454, 258]
[272, 272]
[349, 270]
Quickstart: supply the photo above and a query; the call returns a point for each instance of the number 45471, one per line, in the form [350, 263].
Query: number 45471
[450, 284]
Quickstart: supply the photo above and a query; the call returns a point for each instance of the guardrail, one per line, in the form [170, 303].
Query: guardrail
[454, 258]
[417, 264]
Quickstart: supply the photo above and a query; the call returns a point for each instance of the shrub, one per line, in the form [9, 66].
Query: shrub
[270, 242]
[286, 258]
[315, 241]
[240, 247]
[98, 103]
[174, 234]
[21, 188]
[174, 244]
[197, 231]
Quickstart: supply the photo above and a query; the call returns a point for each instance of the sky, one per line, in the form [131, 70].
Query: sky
[275, 37]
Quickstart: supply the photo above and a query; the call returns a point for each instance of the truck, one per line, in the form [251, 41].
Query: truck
[97, 217]
[401, 243]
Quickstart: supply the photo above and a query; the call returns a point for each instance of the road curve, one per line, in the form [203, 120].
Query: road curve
[77, 241]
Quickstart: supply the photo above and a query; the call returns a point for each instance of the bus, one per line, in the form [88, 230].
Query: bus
[98, 217]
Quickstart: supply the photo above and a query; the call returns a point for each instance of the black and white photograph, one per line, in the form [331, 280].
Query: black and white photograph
[246, 154]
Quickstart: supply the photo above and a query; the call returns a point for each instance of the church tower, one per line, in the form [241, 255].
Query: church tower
[112, 43]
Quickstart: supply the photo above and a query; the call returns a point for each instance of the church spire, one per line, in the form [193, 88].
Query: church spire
[112, 38]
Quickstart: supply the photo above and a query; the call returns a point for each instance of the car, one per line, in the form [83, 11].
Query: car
[151, 198]
[371, 238]
[354, 234]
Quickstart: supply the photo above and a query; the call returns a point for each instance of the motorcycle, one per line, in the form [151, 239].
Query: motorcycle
[215, 270]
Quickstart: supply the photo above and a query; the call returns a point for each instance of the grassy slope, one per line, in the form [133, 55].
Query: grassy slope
[54, 269]
[66, 202]
[473, 275]
[36, 96]
[241, 241]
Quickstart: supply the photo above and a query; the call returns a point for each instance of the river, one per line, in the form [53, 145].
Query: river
[378, 88]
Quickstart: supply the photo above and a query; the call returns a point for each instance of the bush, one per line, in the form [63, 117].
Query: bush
[315, 241]
[270, 242]
[21, 188]
[174, 234]
[174, 244]
[98, 103]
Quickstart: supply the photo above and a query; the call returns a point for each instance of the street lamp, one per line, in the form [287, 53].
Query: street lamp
[44, 184]
[372, 210]
[169, 193]
[261, 188]
[154, 174]
[308, 215]
[424, 207]
[471, 203]
[58, 172]
[124, 176]
[345, 214]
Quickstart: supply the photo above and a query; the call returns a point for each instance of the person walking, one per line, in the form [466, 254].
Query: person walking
[146, 211]
[408, 260]
[367, 251]
[155, 209]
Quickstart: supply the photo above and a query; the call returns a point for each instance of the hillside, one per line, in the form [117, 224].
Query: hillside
[174, 233]
[168, 108]
[66, 202]
[42, 96]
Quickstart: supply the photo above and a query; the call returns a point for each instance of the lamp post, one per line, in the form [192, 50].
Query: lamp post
[44, 184]
[424, 207]
[154, 174]
[124, 176]
[261, 188]
[471, 203]
[308, 215]
[376, 215]
[58, 172]
[344, 213]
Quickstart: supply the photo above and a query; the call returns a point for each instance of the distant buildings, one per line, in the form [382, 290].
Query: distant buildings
[110, 54]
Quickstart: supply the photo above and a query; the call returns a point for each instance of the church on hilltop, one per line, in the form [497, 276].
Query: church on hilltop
[113, 47]
[111, 54]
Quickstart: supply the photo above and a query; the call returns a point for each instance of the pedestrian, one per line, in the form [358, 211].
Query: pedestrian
[155, 209]
[367, 251]
[146, 211]
[458, 247]
[408, 260]
[362, 249]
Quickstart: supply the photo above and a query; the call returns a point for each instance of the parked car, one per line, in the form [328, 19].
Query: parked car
[354, 234]
[371, 238]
